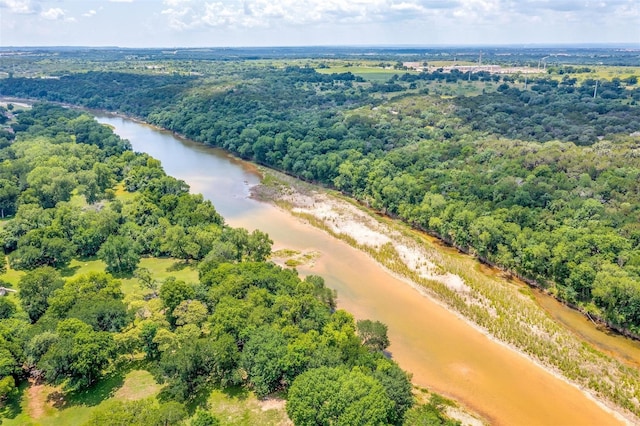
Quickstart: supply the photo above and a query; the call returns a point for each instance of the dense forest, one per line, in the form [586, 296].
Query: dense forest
[538, 175]
[73, 189]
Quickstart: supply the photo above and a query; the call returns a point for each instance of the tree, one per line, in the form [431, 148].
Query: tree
[311, 398]
[102, 313]
[337, 396]
[373, 334]
[324, 294]
[35, 289]
[221, 252]
[51, 184]
[80, 355]
[263, 359]
[42, 247]
[120, 253]
[197, 362]
[7, 386]
[145, 412]
[38, 346]
[180, 244]
[148, 333]
[204, 418]
[9, 193]
[172, 293]
[431, 414]
[146, 279]
[258, 246]
[83, 296]
[397, 385]
[7, 308]
[8, 363]
[190, 312]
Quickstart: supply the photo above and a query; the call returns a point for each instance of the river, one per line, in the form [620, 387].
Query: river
[442, 351]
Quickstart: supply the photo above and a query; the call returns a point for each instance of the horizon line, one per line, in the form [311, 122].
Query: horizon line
[350, 46]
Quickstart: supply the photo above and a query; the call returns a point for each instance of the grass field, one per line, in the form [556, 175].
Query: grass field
[160, 269]
[373, 74]
[122, 194]
[369, 72]
[602, 73]
[40, 404]
[45, 405]
[238, 407]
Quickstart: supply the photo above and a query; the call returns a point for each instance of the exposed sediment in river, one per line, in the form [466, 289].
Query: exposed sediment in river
[435, 341]
[425, 265]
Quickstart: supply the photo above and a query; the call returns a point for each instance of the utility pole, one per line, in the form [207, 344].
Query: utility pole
[595, 91]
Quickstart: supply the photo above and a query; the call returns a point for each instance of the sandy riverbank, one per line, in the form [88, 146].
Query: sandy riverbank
[495, 307]
[427, 269]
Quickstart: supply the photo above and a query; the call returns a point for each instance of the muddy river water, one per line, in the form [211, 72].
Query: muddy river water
[442, 351]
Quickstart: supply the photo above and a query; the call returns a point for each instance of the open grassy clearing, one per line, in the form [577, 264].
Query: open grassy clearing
[11, 276]
[160, 269]
[45, 405]
[138, 384]
[238, 407]
[601, 73]
[371, 72]
[40, 404]
[122, 194]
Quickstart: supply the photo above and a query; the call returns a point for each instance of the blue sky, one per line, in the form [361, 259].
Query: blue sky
[192, 23]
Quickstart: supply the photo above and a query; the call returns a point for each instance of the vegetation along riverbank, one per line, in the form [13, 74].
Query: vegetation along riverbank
[113, 322]
[506, 311]
[537, 174]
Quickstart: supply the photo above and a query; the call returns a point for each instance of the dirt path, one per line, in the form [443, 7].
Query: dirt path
[36, 400]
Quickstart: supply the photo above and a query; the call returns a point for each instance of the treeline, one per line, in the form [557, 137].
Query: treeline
[131, 93]
[553, 110]
[473, 170]
[246, 322]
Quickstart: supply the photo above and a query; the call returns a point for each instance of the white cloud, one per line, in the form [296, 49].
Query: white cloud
[406, 6]
[19, 6]
[477, 10]
[175, 3]
[183, 14]
[286, 22]
[52, 14]
[188, 14]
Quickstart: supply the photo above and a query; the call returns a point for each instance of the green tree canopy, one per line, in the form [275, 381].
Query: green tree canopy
[35, 289]
[79, 357]
[373, 334]
[336, 396]
[120, 253]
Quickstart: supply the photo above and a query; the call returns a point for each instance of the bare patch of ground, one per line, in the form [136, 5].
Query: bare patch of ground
[39, 399]
[272, 403]
[463, 417]
[345, 219]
